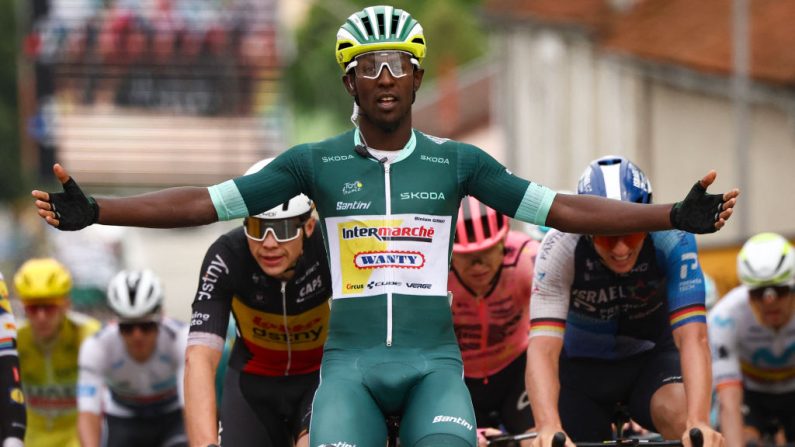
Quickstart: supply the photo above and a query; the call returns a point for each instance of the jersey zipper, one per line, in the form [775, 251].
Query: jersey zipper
[286, 328]
[390, 273]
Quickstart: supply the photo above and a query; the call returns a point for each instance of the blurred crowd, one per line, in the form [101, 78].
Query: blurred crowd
[158, 53]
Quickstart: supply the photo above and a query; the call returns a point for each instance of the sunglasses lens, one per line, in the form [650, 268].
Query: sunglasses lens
[369, 65]
[283, 229]
[760, 293]
[36, 308]
[145, 327]
[609, 242]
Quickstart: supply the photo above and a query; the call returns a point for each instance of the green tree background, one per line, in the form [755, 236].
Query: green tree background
[320, 104]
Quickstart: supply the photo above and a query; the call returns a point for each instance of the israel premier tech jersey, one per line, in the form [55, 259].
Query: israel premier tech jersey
[388, 227]
[607, 315]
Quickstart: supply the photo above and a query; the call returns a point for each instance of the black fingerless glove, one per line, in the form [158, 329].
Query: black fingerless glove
[72, 208]
[698, 212]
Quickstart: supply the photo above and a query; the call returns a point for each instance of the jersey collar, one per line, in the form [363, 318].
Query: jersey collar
[407, 150]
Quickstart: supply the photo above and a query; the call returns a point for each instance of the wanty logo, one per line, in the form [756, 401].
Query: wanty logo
[382, 259]
[354, 186]
[415, 234]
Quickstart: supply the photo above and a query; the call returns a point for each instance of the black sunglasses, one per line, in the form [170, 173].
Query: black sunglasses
[759, 293]
[144, 326]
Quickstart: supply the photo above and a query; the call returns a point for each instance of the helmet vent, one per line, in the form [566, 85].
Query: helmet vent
[285, 206]
[418, 40]
[381, 24]
[368, 25]
[395, 21]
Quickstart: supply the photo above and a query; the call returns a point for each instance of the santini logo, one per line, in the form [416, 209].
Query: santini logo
[456, 420]
[355, 205]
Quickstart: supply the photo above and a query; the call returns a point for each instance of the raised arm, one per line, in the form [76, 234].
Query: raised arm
[168, 208]
[699, 212]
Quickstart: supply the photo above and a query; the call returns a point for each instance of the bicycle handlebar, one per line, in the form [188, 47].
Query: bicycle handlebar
[696, 439]
[497, 440]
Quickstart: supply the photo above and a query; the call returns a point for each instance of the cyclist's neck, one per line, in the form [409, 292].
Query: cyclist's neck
[385, 138]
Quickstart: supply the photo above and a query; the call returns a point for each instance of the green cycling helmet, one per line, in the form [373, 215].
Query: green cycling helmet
[378, 28]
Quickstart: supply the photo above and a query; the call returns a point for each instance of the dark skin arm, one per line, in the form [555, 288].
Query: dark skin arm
[185, 206]
[606, 216]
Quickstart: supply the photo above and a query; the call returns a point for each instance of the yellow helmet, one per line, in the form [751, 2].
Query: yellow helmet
[378, 28]
[43, 278]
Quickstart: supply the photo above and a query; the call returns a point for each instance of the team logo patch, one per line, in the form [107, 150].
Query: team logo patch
[354, 186]
[17, 396]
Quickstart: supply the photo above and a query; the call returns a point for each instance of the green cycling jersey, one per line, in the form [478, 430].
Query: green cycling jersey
[388, 227]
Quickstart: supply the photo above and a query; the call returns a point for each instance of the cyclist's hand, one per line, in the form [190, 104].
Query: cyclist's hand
[700, 212]
[710, 437]
[545, 436]
[484, 432]
[69, 210]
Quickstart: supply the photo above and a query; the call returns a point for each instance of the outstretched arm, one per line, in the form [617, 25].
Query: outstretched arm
[587, 214]
[168, 208]
[691, 340]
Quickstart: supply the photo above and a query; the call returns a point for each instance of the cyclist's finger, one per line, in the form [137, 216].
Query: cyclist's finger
[40, 195]
[708, 179]
[60, 173]
[731, 194]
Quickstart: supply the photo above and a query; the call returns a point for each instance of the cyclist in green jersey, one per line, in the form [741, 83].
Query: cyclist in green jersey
[388, 198]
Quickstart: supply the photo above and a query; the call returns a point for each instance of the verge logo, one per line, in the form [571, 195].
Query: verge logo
[417, 285]
[456, 420]
[382, 259]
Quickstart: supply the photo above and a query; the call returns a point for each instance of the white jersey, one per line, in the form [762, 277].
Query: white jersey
[111, 382]
[744, 351]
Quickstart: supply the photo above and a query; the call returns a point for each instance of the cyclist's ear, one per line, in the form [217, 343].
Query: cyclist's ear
[309, 226]
[350, 86]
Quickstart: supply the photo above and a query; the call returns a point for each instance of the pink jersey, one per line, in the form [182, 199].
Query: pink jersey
[492, 330]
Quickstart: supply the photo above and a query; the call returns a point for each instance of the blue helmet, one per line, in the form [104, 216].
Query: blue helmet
[615, 177]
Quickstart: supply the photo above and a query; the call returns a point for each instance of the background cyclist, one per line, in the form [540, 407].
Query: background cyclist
[12, 407]
[391, 346]
[490, 279]
[272, 273]
[130, 383]
[48, 343]
[752, 333]
[610, 317]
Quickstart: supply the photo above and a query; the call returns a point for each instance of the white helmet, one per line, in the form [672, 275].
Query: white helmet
[135, 294]
[766, 259]
[296, 206]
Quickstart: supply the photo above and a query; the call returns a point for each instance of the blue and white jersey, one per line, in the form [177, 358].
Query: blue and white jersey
[745, 351]
[605, 315]
[111, 382]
